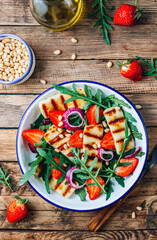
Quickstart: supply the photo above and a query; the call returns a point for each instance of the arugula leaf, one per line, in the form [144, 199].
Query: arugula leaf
[112, 98]
[36, 162]
[140, 154]
[37, 122]
[75, 95]
[109, 190]
[45, 127]
[81, 193]
[120, 181]
[129, 116]
[98, 96]
[124, 164]
[28, 175]
[46, 179]
[97, 114]
[88, 92]
[137, 135]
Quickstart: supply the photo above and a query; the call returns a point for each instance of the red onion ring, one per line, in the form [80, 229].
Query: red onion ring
[102, 151]
[46, 122]
[69, 112]
[69, 176]
[33, 149]
[134, 154]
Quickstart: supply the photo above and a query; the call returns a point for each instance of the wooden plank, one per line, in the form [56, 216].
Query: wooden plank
[15, 105]
[80, 235]
[126, 42]
[61, 219]
[9, 143]
[91, 70]
[18, 12]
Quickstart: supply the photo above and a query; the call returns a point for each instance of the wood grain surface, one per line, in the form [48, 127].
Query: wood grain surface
[46, 221]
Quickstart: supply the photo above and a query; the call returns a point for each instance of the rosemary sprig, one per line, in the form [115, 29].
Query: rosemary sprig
[152, 65]
[5, 179]
[76, 95]
[101, 9]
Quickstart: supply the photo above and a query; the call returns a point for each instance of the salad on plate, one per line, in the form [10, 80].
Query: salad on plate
[82, 142]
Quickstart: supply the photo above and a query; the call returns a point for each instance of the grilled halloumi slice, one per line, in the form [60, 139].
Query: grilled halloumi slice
[116, 122]
[56, 102]
[58, 139]
[97, 165]
[64, 189]
[92, 135]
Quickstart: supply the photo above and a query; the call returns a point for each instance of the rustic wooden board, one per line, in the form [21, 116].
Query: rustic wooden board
[127, 43]
[91, 70]
[15, 105]
[79, 235]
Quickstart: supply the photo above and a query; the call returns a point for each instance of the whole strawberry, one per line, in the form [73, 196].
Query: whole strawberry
[17, 210]
[130, 69]
[126, 15]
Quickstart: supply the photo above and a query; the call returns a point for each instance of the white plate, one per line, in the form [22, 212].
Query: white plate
[25, 156]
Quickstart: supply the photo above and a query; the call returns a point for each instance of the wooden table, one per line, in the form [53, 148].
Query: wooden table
[46, 221]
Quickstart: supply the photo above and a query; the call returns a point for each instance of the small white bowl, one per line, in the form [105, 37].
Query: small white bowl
[31, 64]
[25, 156]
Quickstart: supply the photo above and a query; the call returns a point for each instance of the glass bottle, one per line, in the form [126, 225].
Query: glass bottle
[56, 14]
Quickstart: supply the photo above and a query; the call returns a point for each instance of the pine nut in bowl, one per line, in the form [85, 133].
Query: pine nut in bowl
[17, 60]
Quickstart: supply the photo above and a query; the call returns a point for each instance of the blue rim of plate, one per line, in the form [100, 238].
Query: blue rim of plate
[146, 155]
[8, 35]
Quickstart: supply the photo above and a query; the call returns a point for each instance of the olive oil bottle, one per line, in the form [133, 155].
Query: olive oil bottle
[56, 14]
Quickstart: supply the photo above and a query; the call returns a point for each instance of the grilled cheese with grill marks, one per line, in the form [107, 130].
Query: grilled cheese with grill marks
[116, 122]
[56, 102]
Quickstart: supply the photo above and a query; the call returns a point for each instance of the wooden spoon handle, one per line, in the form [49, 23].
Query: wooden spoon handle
[100, 218]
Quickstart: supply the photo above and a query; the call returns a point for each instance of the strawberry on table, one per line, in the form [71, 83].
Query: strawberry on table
[108, 141]
[94, 191]
[56, 117]
[130, 69]
[33, 135]
[124, 171]
[91, 115]
[76, 139]
[17, 210]
[55, 172]
[126, 15]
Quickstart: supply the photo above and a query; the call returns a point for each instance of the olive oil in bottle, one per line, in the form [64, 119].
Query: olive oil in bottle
[56, 14]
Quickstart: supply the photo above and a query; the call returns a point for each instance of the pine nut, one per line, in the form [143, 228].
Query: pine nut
[61, 135]
[107, 163]
[68, 135]
[60, 118]
[68, 144]
[139, 208]
[74, 40]
[60, 124]
[57, 52]
[60, 130]
[109, 64]
[65, 146]
[56, 150]
[43, 81]
[68, 131]
[138, 107]
[81, 150]
[104, 124]
[95, 146]
[133, 215]
[107, 130]
[118, 108]
[99, 146]
[74, 56]
[81, 135]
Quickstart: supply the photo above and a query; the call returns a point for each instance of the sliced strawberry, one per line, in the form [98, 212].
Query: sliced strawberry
[33, 135]
[54, 115]
[55, 172]
[124, 171]
[75, 140]
[108, 141]
[94, 191]
[91, 115]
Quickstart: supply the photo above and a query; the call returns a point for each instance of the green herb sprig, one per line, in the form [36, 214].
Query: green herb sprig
[152, 65]
[5, 179]
[100, 8]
